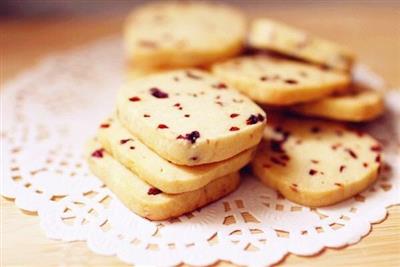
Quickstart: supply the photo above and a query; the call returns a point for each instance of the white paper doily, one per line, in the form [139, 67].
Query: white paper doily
[50, 111]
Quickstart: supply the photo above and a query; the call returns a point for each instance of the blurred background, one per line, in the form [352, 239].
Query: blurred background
[51, 8]
[30, 29]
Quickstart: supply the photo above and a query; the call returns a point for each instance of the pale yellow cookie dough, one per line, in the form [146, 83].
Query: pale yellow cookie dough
[150, 167]
[189, 117]
[355, 107]
[178, 34]
[148, 201]
[278, 37]
[316, 163]
[277, 81]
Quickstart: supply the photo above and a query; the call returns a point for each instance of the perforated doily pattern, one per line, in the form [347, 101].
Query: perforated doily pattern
[50, 111]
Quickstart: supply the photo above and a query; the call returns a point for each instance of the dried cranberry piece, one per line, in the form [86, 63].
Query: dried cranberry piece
[233, 115]
[123, 141]
[376, 148]
[193, 136]
[335, 146]
[153, 191]
[219, 86]
[158, 93]
[162, 126]
[291, 81]
[351, 153]
[234, 128]
[104, 125]
[378, 158]
[98, 153]
[312, 172]
[253, 119]
[342, 167]
[134, 99]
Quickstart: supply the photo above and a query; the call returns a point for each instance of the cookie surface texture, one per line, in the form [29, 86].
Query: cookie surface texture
[189, 117]
[176, 34]
[148, 201]
[277, 81]
[164, 175]
[357, 107]
[278, 37]
[316, 163]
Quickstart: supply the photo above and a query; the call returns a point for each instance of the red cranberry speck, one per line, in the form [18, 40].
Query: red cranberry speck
[158, 93]
[98, 153]
[253, 119]
[134, 99]
[312, 172]
[219, 86]
[153, 191]
[162, 126]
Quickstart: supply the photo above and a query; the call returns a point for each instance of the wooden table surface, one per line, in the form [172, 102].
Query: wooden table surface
[373, 31]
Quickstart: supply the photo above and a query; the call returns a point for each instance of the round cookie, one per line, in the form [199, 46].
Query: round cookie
[278, 37]
[163, 174]
[183, 34]
[316, 163]
[355, 107]
[277, 81]
[189, 117]
[146, 200]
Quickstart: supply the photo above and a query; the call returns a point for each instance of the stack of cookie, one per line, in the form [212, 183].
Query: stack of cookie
[176, 142]
[181, 134]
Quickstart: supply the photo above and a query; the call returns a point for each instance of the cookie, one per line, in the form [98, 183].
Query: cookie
[155, 170]
[189, 117]
[355, 107]
[276, 81]
[316, 163]
[278, 37]
[183, 34]
[146, 200]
